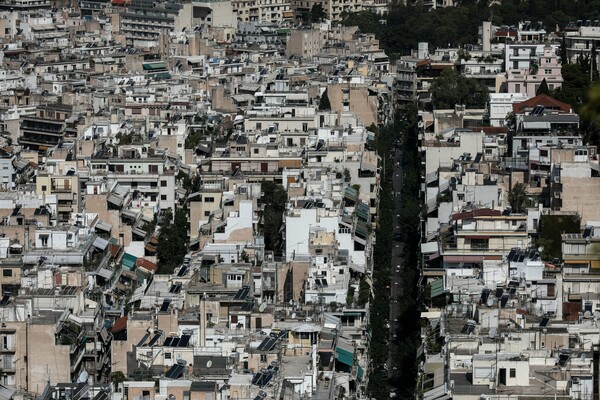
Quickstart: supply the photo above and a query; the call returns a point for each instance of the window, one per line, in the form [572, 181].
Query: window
[167, 356]
[461, 196]
[258, 125]
[518, 88]
[163, 183]
[234, 319]
[7, 273]
[209, 199]
[163, 197]
[513, 372]
[44, 240]
[548, 71]
[255, 151]
[44, 188]
[481, 244]
[263, 358]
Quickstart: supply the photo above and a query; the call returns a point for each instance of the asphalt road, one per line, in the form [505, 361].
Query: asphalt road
[396, 267]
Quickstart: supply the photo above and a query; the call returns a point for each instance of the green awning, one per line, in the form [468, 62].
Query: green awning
[350, 193]
[360, 373]
[344, 356]
[160, 75]
[128, 261]
[352, 314]
[437, 287]
[284, 31]
[140, 275]
[362, 211]
[154, 66]
[361, 230]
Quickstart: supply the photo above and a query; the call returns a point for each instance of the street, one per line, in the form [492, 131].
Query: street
[396, 267]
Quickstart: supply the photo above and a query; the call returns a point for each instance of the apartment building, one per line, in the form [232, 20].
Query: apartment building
[526, 76]
[50, 126]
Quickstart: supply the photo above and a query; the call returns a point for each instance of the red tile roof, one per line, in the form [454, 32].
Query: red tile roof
[542, 100]
[119, 325]
[147, 265]
[482, 212]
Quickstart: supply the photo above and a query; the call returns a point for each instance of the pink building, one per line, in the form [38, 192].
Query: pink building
[527, 81]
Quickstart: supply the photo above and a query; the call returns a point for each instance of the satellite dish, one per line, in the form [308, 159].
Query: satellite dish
[541, 248]
[597, 315]
[262, 307]
[293, 315]
[587, 314]
[172, 397]
[209, 364]
[490, 302]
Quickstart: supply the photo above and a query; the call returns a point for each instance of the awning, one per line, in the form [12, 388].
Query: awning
[358, 268]
[437, 287]
[428, 248]
[306, 328]
[344, 352]
[154, 66]
[138, 294]
[454, 259]
[477, 237]
[105, 273]
[115, 199]
[103, 226]
[129, 214]
[100, 243]
[128, 261]
[160, 75]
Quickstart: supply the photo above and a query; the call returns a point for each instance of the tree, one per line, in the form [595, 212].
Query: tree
[172, 240]
[563, 51]
[324, 103]
[519, 199]
[543, 89]
[511, 121]
[350, 296]
[451, 88]
[364, 292]
[316, 13]
[590, 115]
[117, 378]
[274, 200]
[551, 229]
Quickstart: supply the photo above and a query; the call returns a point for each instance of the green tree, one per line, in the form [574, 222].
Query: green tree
[364, 292]
[172, 240]
[350, 296]
[193, 138]
[317, 13]
[551, 229]
[590, 114]
[274, 200]
[543, 89]
[519, 199]
[451, 88]
[563, 51]
[324, 103]
[117, 378]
